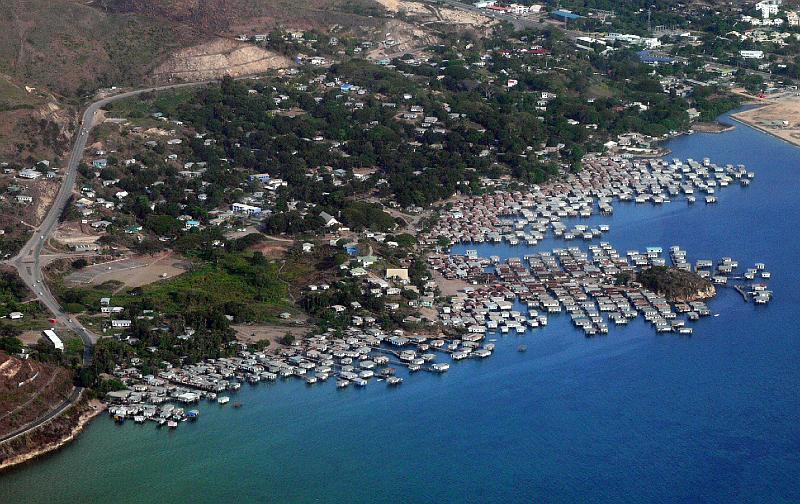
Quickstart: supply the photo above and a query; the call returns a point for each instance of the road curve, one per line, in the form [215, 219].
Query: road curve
[69, 401]
[28, 262]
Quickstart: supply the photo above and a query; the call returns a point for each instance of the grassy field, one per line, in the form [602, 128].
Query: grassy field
[243, 285]
[143, 105]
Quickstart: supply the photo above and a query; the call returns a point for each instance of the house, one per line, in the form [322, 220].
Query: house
[366, 261]
[121, 323]
[24, 198]
[29, 174]
[308, 247]
[399, 273]
[356, 272]
[261, 177]
[245, 209]
[105, 301]
[99, 164]
[768, 7]
[328, 219]
[15, 315]
[101, 224]
[751, 54]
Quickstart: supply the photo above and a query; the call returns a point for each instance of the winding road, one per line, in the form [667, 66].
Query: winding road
[28, 262]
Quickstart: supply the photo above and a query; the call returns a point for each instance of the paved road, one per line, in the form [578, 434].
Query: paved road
[69, 401]
[28, 262]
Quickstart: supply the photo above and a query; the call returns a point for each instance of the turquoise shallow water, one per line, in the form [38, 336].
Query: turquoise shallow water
[628, 417]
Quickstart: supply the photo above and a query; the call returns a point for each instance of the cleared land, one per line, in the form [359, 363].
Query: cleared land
[780, 118]
[131, 272]
[254, 333]
[29, 389]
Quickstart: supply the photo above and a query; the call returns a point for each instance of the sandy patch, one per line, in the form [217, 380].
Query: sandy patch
[780, 118]
[253, 333]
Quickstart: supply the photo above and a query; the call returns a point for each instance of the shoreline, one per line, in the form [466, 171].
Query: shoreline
[715, 127]
[788, 110]
[92, 409]
[765, 130]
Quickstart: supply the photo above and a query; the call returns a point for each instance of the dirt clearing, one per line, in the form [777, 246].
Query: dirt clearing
[255, 333]
[131, 272]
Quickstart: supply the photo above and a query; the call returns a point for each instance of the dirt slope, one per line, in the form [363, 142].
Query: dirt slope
[216, 59]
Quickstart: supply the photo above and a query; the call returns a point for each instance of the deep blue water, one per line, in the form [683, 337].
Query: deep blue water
[628, 417]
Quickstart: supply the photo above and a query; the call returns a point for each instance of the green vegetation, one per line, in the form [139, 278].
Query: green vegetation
[13, 292]
[675, 284]
[145, 104]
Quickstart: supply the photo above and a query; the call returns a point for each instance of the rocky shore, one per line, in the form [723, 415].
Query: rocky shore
[51, 436]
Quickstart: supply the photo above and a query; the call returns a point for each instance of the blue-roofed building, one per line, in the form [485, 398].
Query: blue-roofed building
[565, 15]
[653, 58]
[346, 87]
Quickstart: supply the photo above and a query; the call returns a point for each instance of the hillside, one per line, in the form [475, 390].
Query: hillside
[29, 389]
[70, 47]
[55, 52]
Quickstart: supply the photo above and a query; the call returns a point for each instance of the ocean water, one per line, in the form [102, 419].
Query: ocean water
[628, 417]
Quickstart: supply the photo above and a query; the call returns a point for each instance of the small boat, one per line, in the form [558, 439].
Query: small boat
[172, 424]
[521, 348]
[192, 414]
[223, 399]
[237, 405]
[342, 383]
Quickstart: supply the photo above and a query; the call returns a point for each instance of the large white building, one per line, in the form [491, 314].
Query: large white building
[752, 54]
[768, 7]
[54, 339]
[245, 209]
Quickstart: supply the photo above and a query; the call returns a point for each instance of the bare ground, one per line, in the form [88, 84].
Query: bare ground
[253, 333]
[131, 272]
[449, 287]
[781, 108]
[218, 58]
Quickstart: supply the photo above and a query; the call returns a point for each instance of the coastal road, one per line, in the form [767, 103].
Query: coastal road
[28, 261]
[21, 431]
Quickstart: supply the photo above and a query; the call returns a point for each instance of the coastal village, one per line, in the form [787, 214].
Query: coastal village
[340, 185]
[499, 298]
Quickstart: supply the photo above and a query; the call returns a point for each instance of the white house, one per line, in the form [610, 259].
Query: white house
[29, 174]
[328, 219]
[245, 209]
[752, 54]
[121, 323]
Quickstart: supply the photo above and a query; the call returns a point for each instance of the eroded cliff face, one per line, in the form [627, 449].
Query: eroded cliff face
[700, 295]
[216, 59]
